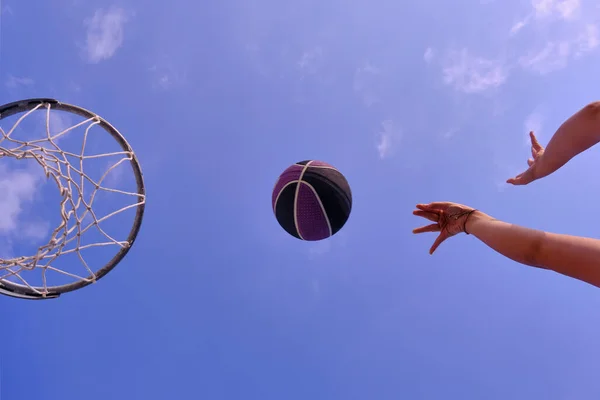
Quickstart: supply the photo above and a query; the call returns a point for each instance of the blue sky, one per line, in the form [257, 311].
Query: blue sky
[430, 101]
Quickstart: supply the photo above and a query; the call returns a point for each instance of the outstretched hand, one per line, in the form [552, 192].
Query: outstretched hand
[449, 219]
[532, 173]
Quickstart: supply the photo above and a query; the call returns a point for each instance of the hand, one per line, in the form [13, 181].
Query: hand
[532, 173]
[450, 219]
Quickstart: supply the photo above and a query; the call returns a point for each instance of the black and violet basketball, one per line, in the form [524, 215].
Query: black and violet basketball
[312, 200]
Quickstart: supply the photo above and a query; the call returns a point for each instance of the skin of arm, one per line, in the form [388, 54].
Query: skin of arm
[577, 134]
[573, 256]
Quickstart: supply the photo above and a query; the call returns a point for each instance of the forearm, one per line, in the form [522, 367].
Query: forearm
[573, 256]
[575, 135]
[515, 242]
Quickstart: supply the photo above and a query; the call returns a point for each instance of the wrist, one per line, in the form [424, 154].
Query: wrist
[541, 168]
[474, 220]
[545, 166]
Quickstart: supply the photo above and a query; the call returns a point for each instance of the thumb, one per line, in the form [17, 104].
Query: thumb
[521, 179]
[534, 142]
[439, 240]
[517, 180]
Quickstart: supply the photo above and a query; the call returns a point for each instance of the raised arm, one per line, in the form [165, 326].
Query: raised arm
[577, 134]
[577, 257]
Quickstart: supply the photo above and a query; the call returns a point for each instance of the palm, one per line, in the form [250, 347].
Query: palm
[531, 173]
[449, 219]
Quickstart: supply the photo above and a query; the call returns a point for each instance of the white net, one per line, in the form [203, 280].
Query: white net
[80, 155]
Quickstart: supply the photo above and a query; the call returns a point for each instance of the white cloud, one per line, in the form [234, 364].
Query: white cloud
[13, 81]
[563, 18]
[534, 122]
[471, 74]
[116, 175]
[568, 32]
[16, 188]
[449, 134]
[554, 56]
[516, 28]
[428, 55]
[565, 9]
[59, 122]
[568, 9]
[542, 7]
[588, 40]
[165, 81]
[104, 34]
[35, 230]
[388, 139]
[166, 76]
[311, 60]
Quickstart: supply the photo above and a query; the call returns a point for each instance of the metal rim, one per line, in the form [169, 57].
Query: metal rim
[24, 292]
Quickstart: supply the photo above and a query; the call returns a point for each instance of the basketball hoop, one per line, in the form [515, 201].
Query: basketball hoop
[78, 218]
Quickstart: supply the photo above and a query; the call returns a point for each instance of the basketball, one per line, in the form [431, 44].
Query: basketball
[312, 200]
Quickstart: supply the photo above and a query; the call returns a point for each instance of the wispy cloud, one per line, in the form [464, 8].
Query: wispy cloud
[165, 75]
[534, 122]
[428, 55]
[59, 122]
[507, 166]
[14, 82]
[552, 57]
[588, 40]
[517, 26]
[565, 9]
[568, 9]
[117, 174]
[449, 134]
[18, 187]
[104, 34]
[471, 74]
[311, 60]
[37, 230]
[569, 32]
[388, 139]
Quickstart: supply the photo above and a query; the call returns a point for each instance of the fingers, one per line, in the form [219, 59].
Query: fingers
[434, 207]
[524, 178]
[517, 180]
[439, 240]
[427, 228]
[534, 142]
[432, 216]
[424, 207]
